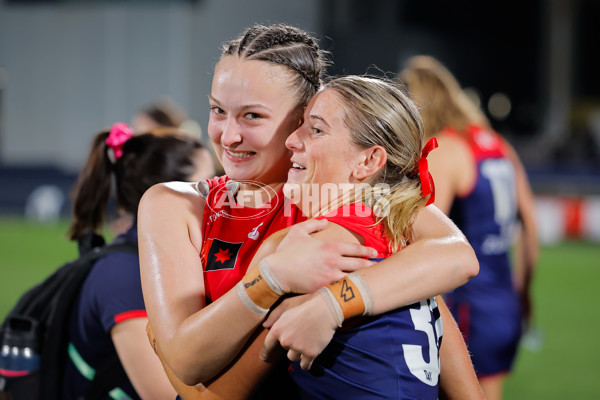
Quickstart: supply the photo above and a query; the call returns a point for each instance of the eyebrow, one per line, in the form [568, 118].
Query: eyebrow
[246, 107]
[318, 118]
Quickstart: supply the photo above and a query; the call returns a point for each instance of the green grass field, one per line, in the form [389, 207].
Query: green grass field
[564, 367]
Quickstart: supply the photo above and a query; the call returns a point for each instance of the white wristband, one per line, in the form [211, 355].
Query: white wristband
[268, 276]
[251, 305]
[333, 306]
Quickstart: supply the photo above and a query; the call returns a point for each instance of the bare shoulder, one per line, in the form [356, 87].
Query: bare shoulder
[451, 145]
[168, 207]
[169, 196]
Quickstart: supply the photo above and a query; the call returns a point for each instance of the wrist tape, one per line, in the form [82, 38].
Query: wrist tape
[348, 297]
[259, 289]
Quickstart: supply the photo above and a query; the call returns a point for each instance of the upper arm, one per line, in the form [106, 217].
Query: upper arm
[525, 198]
[170, 221]
[431, 223]
[525, 209]
[142, 366]
[452, 168]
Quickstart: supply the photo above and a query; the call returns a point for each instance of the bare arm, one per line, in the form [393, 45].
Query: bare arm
[141, 365]
[438, 260]
[238, 381]
[457, 378]
[170, 218]
[527, 247]
[169, 221]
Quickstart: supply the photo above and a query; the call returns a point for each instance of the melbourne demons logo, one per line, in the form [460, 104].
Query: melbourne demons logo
[218, 254]
[224, 200]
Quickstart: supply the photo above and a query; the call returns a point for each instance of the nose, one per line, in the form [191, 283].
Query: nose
[232, 133]
[293, 141]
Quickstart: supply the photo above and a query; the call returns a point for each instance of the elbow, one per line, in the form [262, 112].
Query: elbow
[469, 264]
[187, 370]
[183, 365]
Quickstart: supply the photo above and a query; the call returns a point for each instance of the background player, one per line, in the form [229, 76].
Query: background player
[109, 315]
[482, 185]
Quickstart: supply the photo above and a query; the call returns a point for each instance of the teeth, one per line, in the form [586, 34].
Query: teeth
[295, 165]
[239, 154]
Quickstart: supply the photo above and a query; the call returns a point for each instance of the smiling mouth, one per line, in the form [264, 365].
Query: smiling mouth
[297, 166]
[240, 154]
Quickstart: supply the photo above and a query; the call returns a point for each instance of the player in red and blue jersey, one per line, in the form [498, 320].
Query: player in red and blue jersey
[258, 94]
[109, 316]
[487, 309]
[400, 347]
[394, 355]
[484, 189]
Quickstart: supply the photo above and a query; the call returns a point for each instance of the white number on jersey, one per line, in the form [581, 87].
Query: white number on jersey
[427, 372]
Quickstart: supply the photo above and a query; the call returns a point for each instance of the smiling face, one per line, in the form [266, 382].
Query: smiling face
[252, 112]
[323, 152]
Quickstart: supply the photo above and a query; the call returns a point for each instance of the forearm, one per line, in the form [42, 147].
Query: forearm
[458, 379]
[438, 260]
[423, 269]
[217, 333]
[238, 381]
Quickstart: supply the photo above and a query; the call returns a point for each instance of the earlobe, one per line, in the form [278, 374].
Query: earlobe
[373, 160]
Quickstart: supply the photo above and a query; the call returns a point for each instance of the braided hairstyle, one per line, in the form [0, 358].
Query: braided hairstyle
[147, 159]
[287, 46]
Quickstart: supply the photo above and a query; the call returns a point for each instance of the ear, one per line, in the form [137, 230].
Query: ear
[371, 162]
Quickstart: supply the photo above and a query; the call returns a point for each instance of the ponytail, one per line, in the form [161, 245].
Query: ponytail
[92, 190]
[133, 164]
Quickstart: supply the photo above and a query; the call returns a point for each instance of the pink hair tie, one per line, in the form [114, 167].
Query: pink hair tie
[427, 185]
[119, 134]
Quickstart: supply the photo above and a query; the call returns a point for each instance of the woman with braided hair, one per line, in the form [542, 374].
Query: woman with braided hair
[207, 236]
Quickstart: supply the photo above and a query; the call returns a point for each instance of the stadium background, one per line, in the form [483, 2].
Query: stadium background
[71, 67]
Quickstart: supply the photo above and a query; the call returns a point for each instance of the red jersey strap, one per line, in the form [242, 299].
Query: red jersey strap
[483, 142]
[359, 218]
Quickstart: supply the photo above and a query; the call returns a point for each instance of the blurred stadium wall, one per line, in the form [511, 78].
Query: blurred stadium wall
[69, 68]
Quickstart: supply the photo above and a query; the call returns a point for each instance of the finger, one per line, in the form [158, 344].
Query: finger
[293, 355]
[306, 362]
[273, 316]
[309, 226]
[348, 264]
[356, 250]
[269, 345]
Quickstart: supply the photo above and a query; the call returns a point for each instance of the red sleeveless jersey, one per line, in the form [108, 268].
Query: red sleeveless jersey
[232, 233]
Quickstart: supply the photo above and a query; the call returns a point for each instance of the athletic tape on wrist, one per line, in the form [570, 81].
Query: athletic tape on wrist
[362, 286]
[352, 296]
[266, 273]
[251, 305]
[258, 290]
[333, 306]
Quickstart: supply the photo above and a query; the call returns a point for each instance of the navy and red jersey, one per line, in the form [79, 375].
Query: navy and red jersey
[111, 293]
[232, 233]
[391, 356]
[487, 308]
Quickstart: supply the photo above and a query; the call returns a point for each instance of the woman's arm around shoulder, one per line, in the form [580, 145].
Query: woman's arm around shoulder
[170, 239]
[437, 260]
